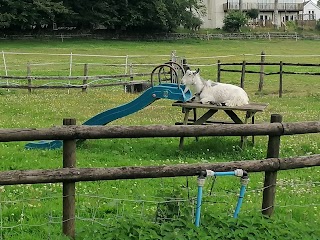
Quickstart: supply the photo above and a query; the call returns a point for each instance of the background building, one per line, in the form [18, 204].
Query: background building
[286, 10]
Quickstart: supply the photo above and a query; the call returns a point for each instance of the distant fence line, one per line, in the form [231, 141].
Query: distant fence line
[130, 76]
[170, 36]
[69, 175]
[91, 81]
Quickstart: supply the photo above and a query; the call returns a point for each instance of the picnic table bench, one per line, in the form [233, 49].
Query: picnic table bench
[250, 109]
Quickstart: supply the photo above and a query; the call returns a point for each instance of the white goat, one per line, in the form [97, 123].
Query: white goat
[214, 92]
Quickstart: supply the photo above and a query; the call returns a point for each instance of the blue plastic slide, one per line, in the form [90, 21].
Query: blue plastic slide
[166, 91]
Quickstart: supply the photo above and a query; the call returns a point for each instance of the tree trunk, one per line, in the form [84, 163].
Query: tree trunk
[275, 15]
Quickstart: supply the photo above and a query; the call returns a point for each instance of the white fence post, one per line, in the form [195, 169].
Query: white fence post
[70, 70]
[5, 67]
[126, 67]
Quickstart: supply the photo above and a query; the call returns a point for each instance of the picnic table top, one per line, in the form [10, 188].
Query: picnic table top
[254, 107]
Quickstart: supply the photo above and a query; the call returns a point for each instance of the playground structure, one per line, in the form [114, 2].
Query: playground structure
[169, 71]
[244, 179]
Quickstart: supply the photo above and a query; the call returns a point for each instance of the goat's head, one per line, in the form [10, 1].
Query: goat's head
[191, 77]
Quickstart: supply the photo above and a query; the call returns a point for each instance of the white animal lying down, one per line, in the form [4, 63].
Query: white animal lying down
[214, 92]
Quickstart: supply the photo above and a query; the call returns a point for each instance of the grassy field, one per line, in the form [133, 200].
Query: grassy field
[34, 211]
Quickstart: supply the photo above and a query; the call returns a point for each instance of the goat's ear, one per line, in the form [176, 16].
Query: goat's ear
[198, 70]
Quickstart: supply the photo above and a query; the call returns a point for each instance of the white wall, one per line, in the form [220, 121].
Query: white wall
[215, 14]
[310, 8]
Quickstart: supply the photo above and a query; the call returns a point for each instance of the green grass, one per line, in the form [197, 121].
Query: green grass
[38, 207]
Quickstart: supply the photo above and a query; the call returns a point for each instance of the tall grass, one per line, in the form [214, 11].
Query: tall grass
[36, 209]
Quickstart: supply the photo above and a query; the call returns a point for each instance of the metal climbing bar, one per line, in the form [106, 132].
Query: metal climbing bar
[244, 180]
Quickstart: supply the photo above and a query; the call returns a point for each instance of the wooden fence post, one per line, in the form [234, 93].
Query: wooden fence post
[85, 80]
[69, 161]
[185, 64]
[261, 81]
[28, 76]
[243, 73]
[218, 71]
[280, 80]
[269, 190]
[131, 72]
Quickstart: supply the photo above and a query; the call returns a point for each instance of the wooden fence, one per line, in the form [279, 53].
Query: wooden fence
[129, 83]
[262, 72]
[31, 80]
[70, 174]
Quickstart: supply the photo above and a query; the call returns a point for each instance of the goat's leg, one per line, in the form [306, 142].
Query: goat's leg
[205, 100]
[216, 103]
[186, 89]
[191, 99]
[230, 103]
[196, 98]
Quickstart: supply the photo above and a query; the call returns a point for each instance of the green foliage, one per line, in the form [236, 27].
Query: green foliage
[191, 22]
[140, 15]
[318, 25]
[23, 14]
[191, 18]
[171, 209]
[234, 20]
[253, 13]
[213, 227]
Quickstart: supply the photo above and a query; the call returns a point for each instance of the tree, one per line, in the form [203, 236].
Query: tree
[124, 15]
[138, 15]
[275, 14]
[318, 25]
[253, 13]
[6, 14]
[234, 20]
[25, 14]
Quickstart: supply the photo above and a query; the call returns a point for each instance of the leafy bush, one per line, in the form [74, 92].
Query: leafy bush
[234, 20]
[212, 227]
[318, 25]
[253, 13]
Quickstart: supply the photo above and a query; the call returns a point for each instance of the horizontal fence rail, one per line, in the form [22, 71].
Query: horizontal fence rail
[95, 174]
[74, 77]
[272, 64]
[66, 85]
[150, 131]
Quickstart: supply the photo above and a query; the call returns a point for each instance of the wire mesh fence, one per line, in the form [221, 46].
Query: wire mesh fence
[30, 209]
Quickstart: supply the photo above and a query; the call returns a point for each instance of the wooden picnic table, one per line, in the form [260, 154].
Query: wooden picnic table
[250, 109]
